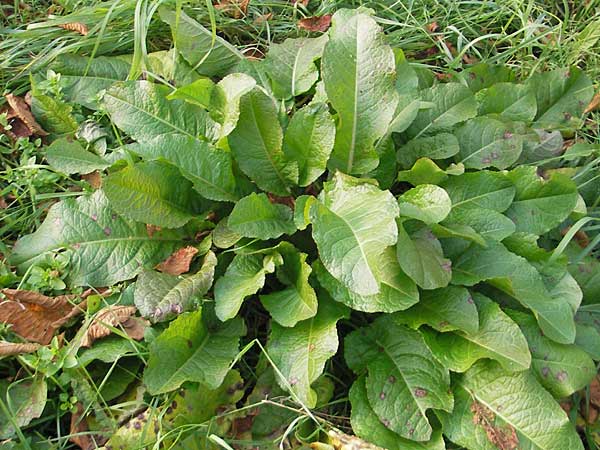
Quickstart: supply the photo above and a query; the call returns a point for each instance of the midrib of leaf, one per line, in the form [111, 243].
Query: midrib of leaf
[437, 119]
[485, 147]
[355, 106]
[477, 197]
[495, 352]
[179, 369]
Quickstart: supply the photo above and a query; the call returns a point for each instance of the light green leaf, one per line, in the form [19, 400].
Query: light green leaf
[160, 296]
[108, 350]
[404, 379]
[453, 230]
[198, 92]
[170, 65]
[487, 222]
[397, 290]
[367, 425]
[353, 222]
[425, 171]
[405, 114]
[255, 216]
[561, 369]
[511, 101]
[193, 348]
[438, 146]
[302, 207]
[105, 248]
[70, 157]
[447, 309]
[540, 205]
[225, 101]
[25, 401]
[480, 190]
[498, 338]
[300, 353]
[588, 338]
[210, 55]
[291, 65]
[223, 236]
[519, 279]
[150, 192]
[512, 397]
[421, 257]
[256, 144]
[244, 276]
[309, 140]
[358, 70]
[426, 202]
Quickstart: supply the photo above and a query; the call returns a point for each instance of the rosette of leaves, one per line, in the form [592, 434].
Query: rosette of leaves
[339, 183]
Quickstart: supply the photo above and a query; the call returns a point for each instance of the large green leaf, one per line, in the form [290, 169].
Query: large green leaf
[511, 101]
[358, 71]
[353, 222]
[300, 353]
[425, 171]
[225, 100]
[291, 65]
[210, 54]
[488, 223]
[308, 141]
[561, 369]
[426, 202]
[497, 337]
[24, 400]
[518, 278]
[540, 205]
[480, 190]
[298, 301]
[193, 348]
[105, 248]
[255, 216]
[160, 296]
[397, 290]
[368, 426]
[404, 379]
[438, 146]
[519, 400]
[256, 144]
[244, 276]
[150, 192]
[70, 157]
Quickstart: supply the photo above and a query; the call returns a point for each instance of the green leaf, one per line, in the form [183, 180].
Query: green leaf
[519, 279]
[540, 205]
[480, 190]
[223, 236]
[547, 145]
[404, 379]
[291, 65]
[427, 203]
[511, 101]
[406, 111]
[425, 171]
[447, 309]
[561, 369]
[160, 296]
[497, 337]
[53, 115]
[588, 338]
[298, 301]
[487, 222]
[452, 103]
[513, 397]
[193, 348]
[358, 71]
[244, 277]
[421, 257]
[225, 101]
[210, 55]
[70, 157]
[300, 353]
[170, 65]
[367, 425]
[256, 144]
[309, 140]
[150, 192]
[353, 222]
[209, 169]
[397, 290]
[438, 146]
[104, 248]
[487, 142]
[484, 75]
[108, 350]
[86, 77]
[255, 216]
[141, 109]
[302, 207]
[453, 230]
[562, 95]
[25, 400]
[198, 92]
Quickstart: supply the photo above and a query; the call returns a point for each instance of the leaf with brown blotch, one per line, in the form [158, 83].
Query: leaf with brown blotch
[505, 438]
[594, 104]
[34, 316]
[78, 27]
[12, 349]
[20, 109]
[179, 262]
[315, 23]
[112, 317]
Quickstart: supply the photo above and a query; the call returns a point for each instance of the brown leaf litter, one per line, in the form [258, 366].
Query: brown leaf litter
[315, 23]
[78, 27]
[115, 316]
[20, 118]
[179, 262]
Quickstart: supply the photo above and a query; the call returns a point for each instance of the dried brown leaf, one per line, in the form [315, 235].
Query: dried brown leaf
[343, 441]
[21, 110]
[11, 348]
[594, 104]
[3, 204]
[287, 201]
[432, 27]
[581, 237]
[235, 8]
[315, 23]
[94, 178]
[112, 317]
[254, 54]
[79, 426]
[503, 437]
[34, 316]
[78, 27]
[302, 2]
[595, 392]
[263, 18]
[179, 262]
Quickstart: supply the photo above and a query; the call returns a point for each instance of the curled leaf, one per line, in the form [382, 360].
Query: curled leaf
[78, 27]
[79, 427]
[235, 8]
[594, 105]
[21, 119]
[315, 23]
[12, 349]
[111, 317]
[179, 262]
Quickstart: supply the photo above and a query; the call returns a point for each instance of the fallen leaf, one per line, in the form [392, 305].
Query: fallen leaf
[581, 237]
[595, 392]
[78, 27]
[78, 429]
[93, 178]
[505, 438]
[342, 441]
[12, 349]
[254, 54]
[287, 201]
[302, 2]
[179, 262]
[594, 104]
[34, 316]
[20, 118]
[592, 415]
[432, 27]
[112, 317]
[315, 23]
[3, 204]
[263, 18]
[469, 59]
[235, 8]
